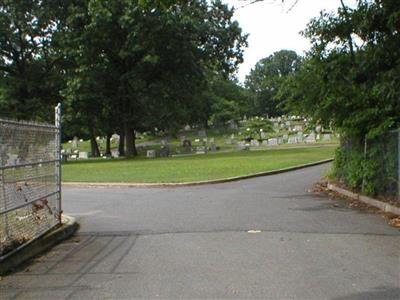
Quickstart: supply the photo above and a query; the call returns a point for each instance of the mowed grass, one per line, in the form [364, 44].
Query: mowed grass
[191, 168]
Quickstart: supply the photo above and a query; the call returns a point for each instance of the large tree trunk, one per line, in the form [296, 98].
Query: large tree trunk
[121, 145]
[130, 149]
[108, 145]
[93, 144]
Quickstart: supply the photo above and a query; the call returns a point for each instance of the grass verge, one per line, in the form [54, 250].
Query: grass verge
[191, 168]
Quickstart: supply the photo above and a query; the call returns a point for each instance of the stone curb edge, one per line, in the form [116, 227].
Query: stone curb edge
[386, 207]
[11, 260]
[194, 183]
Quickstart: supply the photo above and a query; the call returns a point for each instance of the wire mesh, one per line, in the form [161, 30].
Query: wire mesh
[385, 151]
[29, 182]
[372, 165]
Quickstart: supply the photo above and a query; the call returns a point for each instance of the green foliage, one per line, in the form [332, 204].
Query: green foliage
[255, 126]
[227, 99]
[224, 111]
[265, 80]
[29, 75]
[350, 81]
[143, 65]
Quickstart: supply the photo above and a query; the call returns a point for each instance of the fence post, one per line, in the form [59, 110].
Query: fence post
[58, 157]
[3, 191]
[365, 159]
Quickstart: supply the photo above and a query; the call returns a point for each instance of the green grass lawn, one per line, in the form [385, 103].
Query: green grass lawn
[191, 168]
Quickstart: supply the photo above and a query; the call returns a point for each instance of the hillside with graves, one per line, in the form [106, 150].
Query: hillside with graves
[250, 134]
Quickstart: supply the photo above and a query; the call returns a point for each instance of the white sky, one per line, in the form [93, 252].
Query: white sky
[272, 27]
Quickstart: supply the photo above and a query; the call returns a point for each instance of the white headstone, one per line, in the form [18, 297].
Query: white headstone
[83, 155]
[115, 153]
[151, 153]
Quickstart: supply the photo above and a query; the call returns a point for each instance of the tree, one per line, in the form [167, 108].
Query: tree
[265, 80]
[256, 126]
[29, 61]
[350, 81]
[154, 55]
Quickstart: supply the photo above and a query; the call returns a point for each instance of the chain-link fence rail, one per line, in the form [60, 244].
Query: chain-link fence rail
[371, 165]
[30, 186]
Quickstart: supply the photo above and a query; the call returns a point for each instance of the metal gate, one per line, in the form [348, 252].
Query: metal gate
[30, 181]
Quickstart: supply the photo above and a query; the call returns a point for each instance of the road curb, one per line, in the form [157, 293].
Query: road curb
[194, 183]
[11, 260]
[386, 207]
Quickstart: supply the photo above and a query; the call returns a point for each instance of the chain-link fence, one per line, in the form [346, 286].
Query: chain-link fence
[371, 165]
[383, 155]
[30, 182]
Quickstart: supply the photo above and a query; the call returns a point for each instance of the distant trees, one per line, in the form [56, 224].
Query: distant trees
[265, 80]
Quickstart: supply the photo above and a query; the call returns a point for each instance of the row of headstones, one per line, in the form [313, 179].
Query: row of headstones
[311, 138]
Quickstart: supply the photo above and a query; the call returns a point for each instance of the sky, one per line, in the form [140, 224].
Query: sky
[273, 26]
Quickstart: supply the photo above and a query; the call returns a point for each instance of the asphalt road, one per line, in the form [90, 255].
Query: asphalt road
[193, 242]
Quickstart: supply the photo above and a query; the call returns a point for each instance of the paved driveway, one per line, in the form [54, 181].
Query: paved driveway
[193, 242]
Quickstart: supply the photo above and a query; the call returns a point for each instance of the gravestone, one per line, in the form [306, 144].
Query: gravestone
[201, 150]
[187, 146]
[310, 138]
[114, 153]
[164, 151]
[187, 128]
[201, 133]
[242, 146]
[263, 135]
[326, 137]
[213, 147]
[292, 140]
[298, 127]
[300, 137]
[151, 153]
[254, 143]
[232, 125]
[115, 137]
[212, 140]
[285, 137]
[83, 155]
[265, 143]
[273, 141]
